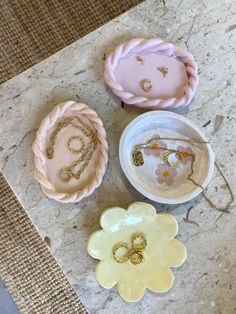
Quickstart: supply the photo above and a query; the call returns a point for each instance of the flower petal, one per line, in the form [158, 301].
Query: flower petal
[168, 180]
[160, 180]
[173, 253]
[160, 279]
[167, 225]
[142, 209]
[98, 245]
[113, 218]
[130, 287]
[107, 274]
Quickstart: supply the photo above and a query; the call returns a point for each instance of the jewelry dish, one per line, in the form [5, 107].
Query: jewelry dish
[152, 74]
[70, 152]
[136, 249]
[166, 157]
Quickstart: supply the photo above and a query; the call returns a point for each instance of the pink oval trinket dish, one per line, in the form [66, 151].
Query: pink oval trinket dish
[152, 74]
[166, 157]
[70, 152]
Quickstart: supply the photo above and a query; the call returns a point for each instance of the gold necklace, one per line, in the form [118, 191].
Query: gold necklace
[86, 153]
[139, 161]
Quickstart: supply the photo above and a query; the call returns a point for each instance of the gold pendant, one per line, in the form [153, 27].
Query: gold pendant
[137, 158]
[172, 159]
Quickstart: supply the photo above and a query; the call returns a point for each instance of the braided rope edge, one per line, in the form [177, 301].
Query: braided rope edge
[152, 45]
[38, 147]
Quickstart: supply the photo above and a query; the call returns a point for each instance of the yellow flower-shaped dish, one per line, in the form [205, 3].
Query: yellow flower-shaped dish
[136, 270]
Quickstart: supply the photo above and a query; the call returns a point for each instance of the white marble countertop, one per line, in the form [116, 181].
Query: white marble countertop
[207, 281]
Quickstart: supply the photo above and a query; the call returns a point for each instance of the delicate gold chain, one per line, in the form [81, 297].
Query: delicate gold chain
[192, 141]
[85, 153]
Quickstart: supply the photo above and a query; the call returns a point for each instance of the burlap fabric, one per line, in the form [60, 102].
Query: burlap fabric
[31, 30]
[27, 267]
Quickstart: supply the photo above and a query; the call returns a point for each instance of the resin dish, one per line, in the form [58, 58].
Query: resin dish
[70, 152]
[136, 249]
[161, 167]
[150, 73]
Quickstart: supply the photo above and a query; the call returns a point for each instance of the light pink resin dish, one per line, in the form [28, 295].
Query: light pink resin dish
[68, 136]
[152, 74]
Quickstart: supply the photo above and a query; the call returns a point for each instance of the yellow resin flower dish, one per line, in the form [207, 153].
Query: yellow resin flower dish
[136, 249]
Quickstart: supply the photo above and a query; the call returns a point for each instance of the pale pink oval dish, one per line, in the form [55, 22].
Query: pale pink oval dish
[152, 74]
[85, 131]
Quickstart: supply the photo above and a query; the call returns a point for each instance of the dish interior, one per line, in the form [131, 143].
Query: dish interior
[145, 178]
[166, 74]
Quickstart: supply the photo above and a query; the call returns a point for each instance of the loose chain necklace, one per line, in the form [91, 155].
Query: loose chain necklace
[173, 159]
[86, 153]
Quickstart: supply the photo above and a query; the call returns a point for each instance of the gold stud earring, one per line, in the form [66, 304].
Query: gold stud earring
[146, 85]
[140, 60]
[163, 70]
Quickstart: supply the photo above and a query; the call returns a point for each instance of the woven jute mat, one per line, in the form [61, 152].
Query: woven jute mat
[31, 30]
[27, 267]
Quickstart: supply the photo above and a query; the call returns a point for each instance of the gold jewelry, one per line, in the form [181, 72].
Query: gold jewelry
[139, 59]
[135, 257]
[139, 241]
[76, 150]
[146, 85]
[163, 70]
[137, 157]
[124, 256]
[67, 173]
[172, 159]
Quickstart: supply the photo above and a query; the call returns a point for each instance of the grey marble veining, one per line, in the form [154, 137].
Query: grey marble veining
[207, 281]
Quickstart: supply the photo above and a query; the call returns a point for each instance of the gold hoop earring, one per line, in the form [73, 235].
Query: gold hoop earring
[146, 85]
[135, 257]
[139, 241]
[75, 150]
[125, 254]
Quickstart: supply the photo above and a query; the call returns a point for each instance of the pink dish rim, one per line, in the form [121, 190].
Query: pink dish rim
[38, 147]
[152, 45]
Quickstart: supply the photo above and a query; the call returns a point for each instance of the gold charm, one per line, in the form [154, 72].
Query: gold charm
[146, 85]
[137, 158]
[138, 241]
[163, 70]
[120, 252]
[140, 60]
[172, 159]
[65, 175]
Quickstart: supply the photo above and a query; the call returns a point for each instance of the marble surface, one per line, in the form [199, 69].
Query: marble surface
[207, 281]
